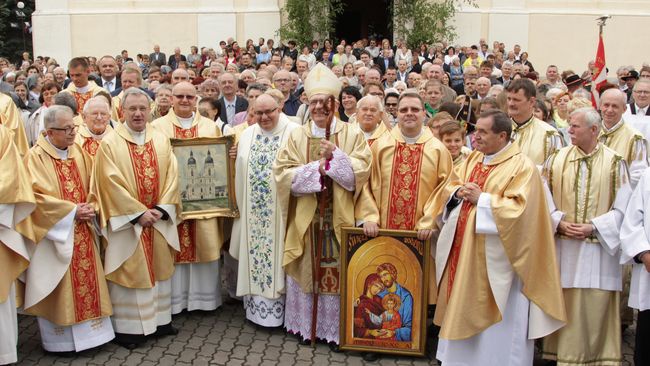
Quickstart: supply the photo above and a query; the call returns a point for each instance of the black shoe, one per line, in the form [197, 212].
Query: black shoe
[127, 345]
[129, 341]
[304, 342]
[370, 356]
[165, 330]
[65, 354]
[334, 347]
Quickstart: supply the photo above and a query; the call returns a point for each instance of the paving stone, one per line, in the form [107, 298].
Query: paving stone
[253, 359]
[188, 355]
[175, 348]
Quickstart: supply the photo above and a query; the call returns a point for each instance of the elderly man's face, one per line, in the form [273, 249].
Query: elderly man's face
[184, 99]
[96, 117]
[641, 94]
[612, 107]
[228, 84]
[414, 80]
[391, 75]
[435, 72]
[180, 75]
[282, 81]
[267, 112]
[215, 72]
[136, 112]
[483, 86]
[319, 109]
[248, 77]
[63, 133]
[129, 80]
[372, 76]
[369, 115]
[164, 98]
[59, 75]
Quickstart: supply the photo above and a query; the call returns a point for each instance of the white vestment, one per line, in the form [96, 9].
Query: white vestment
[8, 329]
[640, 122]
[141, 310]
[196, 286]
[257, 239]
[635, 238]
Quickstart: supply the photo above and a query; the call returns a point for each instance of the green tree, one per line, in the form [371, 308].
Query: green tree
[426, 21]
[307, 19]
[11, 30]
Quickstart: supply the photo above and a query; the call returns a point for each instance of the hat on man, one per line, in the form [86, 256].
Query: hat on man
[573, 79]
[321, 80]
[631, 75]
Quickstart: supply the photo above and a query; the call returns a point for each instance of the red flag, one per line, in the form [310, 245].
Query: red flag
[599, 76]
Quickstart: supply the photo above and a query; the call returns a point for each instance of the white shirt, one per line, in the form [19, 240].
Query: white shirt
[109, 85]
[186, 122]
[230, 108]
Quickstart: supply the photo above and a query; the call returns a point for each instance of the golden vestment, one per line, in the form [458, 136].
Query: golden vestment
[87, 141]
[15, 190]
[466, 302]
[10, 118]
[536, 139]
[404, 180]
[82, 98]
[129, 179]
[59, 185]
[200, 239]
[300, 150]
[585, 187]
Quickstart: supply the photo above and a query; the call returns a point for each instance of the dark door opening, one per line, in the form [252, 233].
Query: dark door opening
[364, 19]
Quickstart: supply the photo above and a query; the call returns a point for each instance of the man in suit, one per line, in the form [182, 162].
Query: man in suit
[176, 58]
[108, 72]
[229, 103]
[384, 61]
[157, 58]
[402, 71]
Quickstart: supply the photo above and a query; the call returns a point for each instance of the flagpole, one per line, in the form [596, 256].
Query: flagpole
[599, 78]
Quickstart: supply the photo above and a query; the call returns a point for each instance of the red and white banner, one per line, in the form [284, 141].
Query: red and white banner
[599, 76]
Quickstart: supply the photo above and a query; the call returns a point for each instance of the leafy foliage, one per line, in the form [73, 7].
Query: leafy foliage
[307, 19]
[11, 36]
[426, 21]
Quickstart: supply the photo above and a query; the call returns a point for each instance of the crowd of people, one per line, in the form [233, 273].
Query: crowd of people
[536, 199]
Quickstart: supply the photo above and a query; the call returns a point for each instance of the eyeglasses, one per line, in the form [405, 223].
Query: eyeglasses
[68, 130]
[268, 113]
[641, 92]
[183, 96]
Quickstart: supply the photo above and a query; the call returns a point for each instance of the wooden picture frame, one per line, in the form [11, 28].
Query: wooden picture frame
[206, 177]
[396, 258]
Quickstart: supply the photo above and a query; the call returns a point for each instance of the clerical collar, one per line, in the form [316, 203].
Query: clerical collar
[320, 132]
[138, 137]
[83, 89]
[95, 136]
[523, 125]
[275, 129]
[411, 140]
[583, 155]
[63, 154]
[369, 134]
[488, 158]
[614, 128]
[186, 122]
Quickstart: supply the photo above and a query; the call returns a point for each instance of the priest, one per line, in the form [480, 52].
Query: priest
[81, 88]
[257, 239]
[370, 111]
[590, 188]
[196, 283]
[65, 285]
[535, 138]
[16, 239]
[635, 245]
[309, 166]
[136, 184]
[97, 118]
[490, 258]
[11, 119]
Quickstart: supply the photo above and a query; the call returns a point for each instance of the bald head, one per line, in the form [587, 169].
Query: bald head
[180, 75]
[612, 106]
[267, 112]
[373, 76]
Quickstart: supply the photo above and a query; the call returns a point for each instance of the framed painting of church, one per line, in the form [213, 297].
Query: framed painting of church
[384, 292]
[206, 177]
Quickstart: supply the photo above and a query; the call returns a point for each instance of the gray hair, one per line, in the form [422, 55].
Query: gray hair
[256, 86]
[641, 82]
[97, 99]
[507, 63]
[371, 99]
[590, 115]
[134, 91]
[163, 87]
[66, 99]
[50, 116]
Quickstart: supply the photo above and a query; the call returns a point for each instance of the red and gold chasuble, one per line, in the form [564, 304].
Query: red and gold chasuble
[91, 145]
[479, 175]
[83, 271]
[186, 229]
[81, 99]
[145, 168]
[403, 199]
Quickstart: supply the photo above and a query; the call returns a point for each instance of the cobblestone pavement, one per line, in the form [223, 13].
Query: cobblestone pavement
[221, 337]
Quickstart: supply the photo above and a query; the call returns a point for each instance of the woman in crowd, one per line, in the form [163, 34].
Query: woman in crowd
[456, 73]
[560, 105]
[35, 124]
[348, 99]
[348, 74]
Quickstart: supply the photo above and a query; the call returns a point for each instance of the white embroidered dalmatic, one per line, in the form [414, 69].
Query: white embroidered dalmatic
[257, 240]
